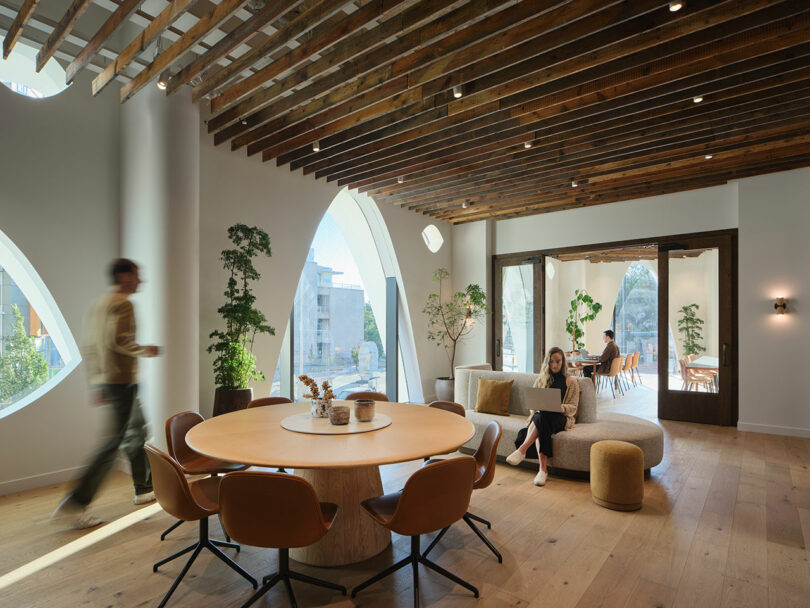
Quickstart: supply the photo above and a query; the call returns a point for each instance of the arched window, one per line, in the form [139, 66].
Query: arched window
[19, 74]
[37, 349]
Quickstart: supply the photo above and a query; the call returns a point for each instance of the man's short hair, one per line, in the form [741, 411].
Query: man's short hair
[610, 334]
[120, 266]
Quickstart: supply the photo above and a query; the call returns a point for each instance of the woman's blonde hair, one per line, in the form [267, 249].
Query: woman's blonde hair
[545, 372]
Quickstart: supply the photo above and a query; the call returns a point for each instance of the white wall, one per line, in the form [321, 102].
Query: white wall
[59, 205]
[472, 255]
[774, 261]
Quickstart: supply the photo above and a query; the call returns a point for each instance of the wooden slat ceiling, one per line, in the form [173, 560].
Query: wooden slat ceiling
[633, 253]
[472, 109]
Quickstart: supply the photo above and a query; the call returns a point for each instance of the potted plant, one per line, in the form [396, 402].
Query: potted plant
[450, 321]
[689, 325]
[235, 364]
[583, 308]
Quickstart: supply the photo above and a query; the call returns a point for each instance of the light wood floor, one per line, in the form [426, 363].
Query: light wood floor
[726, 522]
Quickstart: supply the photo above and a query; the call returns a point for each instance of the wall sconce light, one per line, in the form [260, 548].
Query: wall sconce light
[780, 306]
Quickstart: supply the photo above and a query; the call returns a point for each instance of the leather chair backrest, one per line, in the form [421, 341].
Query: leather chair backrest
[615, 366]
[485, 455]
[628, 362]
[268, 401]
[367, 395]
[636, 357]
[434, 497]
[449, 406]
[171, 487]
[275, 510]
[176, 428]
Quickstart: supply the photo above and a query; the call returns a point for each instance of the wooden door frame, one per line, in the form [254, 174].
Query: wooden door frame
[512, 259]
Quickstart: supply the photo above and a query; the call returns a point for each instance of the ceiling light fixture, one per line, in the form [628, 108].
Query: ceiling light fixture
[573, 183]
[316, 146]
[163, 80]
[400, 179]
[674, 7]
[457, 91]
[465, 204]
[243, 121]
[709, 157]
[527, 145]
[697, 99]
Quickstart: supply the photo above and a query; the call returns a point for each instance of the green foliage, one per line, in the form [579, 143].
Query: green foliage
[356, 355]
[451, 320]
[235, 364]
[689, 325]
[583, 309]
[22, 368]
[371, 332]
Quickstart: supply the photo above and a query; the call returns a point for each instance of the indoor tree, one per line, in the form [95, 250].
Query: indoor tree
[583, 308]
[690, 326]
[451, 320]
[235, 363]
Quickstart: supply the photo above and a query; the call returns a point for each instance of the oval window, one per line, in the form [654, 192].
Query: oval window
[19, 73]
[433, 238]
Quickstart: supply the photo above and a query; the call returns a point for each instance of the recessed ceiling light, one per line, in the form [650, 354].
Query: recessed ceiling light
[465, 204]
[243, 121]
[675, 6]
[697, 99]
[573, 183]
[457, 92]
[527, 145]
[316, 146]
[400, 179]
[708, 157]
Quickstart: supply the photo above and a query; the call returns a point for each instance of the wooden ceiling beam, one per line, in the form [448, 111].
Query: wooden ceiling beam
[194, 34]
[418, 47]
[16, 29]
[138, 45]
[310, 16]
[246, 29]
[121, 14]
[60, 32]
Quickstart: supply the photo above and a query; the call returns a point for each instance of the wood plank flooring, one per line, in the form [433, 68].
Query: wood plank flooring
[725, 523]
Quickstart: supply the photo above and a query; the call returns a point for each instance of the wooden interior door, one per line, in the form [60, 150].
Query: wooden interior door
[701, 271]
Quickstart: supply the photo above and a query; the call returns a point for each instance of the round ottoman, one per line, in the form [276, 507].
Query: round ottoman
[617, 475]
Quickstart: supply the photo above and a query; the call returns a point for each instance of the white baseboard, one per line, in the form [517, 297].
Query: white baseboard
[38, 481]
[770, 429]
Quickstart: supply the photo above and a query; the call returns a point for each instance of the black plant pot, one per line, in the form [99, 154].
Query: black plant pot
[231, 399]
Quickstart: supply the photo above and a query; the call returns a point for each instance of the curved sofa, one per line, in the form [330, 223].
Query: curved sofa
[572, 448]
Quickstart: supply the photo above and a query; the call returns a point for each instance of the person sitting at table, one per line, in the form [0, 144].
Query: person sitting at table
[535, 438]
[611, 352]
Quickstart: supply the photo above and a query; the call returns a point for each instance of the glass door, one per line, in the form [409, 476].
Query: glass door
[517, 306]
[696, 338]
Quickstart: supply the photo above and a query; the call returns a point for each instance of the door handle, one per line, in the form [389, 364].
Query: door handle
[498, 347]
[724, 355]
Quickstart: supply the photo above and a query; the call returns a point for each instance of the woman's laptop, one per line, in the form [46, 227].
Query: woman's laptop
[543, 399]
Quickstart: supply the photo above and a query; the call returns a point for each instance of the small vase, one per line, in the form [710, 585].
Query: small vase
[320, 408]
[339, 414]
[364, 410]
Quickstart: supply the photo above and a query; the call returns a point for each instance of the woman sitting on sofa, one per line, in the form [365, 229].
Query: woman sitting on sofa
[536, 436]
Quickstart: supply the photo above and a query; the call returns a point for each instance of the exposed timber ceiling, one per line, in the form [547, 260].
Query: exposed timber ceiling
[632, 253]
[467, 109]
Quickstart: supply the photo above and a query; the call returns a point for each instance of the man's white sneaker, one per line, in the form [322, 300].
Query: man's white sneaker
[142, 499]
[515, 458]
[84, 520]
[540, 478]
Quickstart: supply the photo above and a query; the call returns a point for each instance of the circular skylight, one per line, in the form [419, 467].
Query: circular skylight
[433, 238]
[19, 73]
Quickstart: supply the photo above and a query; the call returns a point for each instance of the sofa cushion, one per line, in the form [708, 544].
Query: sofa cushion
[586, 412]
[493, 396]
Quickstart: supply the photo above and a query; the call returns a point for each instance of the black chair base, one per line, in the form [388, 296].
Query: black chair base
[415, 559]
[203, 543]
[286, 575]
[180, 521]
[468, 518]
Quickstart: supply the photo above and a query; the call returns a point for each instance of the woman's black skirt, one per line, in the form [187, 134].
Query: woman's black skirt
[547, 424]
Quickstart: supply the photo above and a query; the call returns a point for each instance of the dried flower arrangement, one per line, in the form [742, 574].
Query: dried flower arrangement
[314, 391]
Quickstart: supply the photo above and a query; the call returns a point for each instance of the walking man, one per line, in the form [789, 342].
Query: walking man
[112, 363]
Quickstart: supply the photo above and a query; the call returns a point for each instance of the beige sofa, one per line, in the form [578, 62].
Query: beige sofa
[571, 448]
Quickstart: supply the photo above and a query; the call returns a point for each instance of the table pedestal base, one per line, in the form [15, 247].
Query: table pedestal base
[354, 536]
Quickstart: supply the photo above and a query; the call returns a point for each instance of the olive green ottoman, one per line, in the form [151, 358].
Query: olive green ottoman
[617, 475]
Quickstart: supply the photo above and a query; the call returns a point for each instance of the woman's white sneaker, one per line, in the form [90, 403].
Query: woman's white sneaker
[515, 458]
[540, 478]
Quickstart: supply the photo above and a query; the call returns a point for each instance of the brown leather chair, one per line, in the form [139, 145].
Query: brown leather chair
[450, 406]
[195, 501]
[268, 401]
[192, 463]
[484, 474]
[296, 521]
[433, 498]
[367, 395]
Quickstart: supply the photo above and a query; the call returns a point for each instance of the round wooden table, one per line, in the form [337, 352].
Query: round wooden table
[343, 469]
